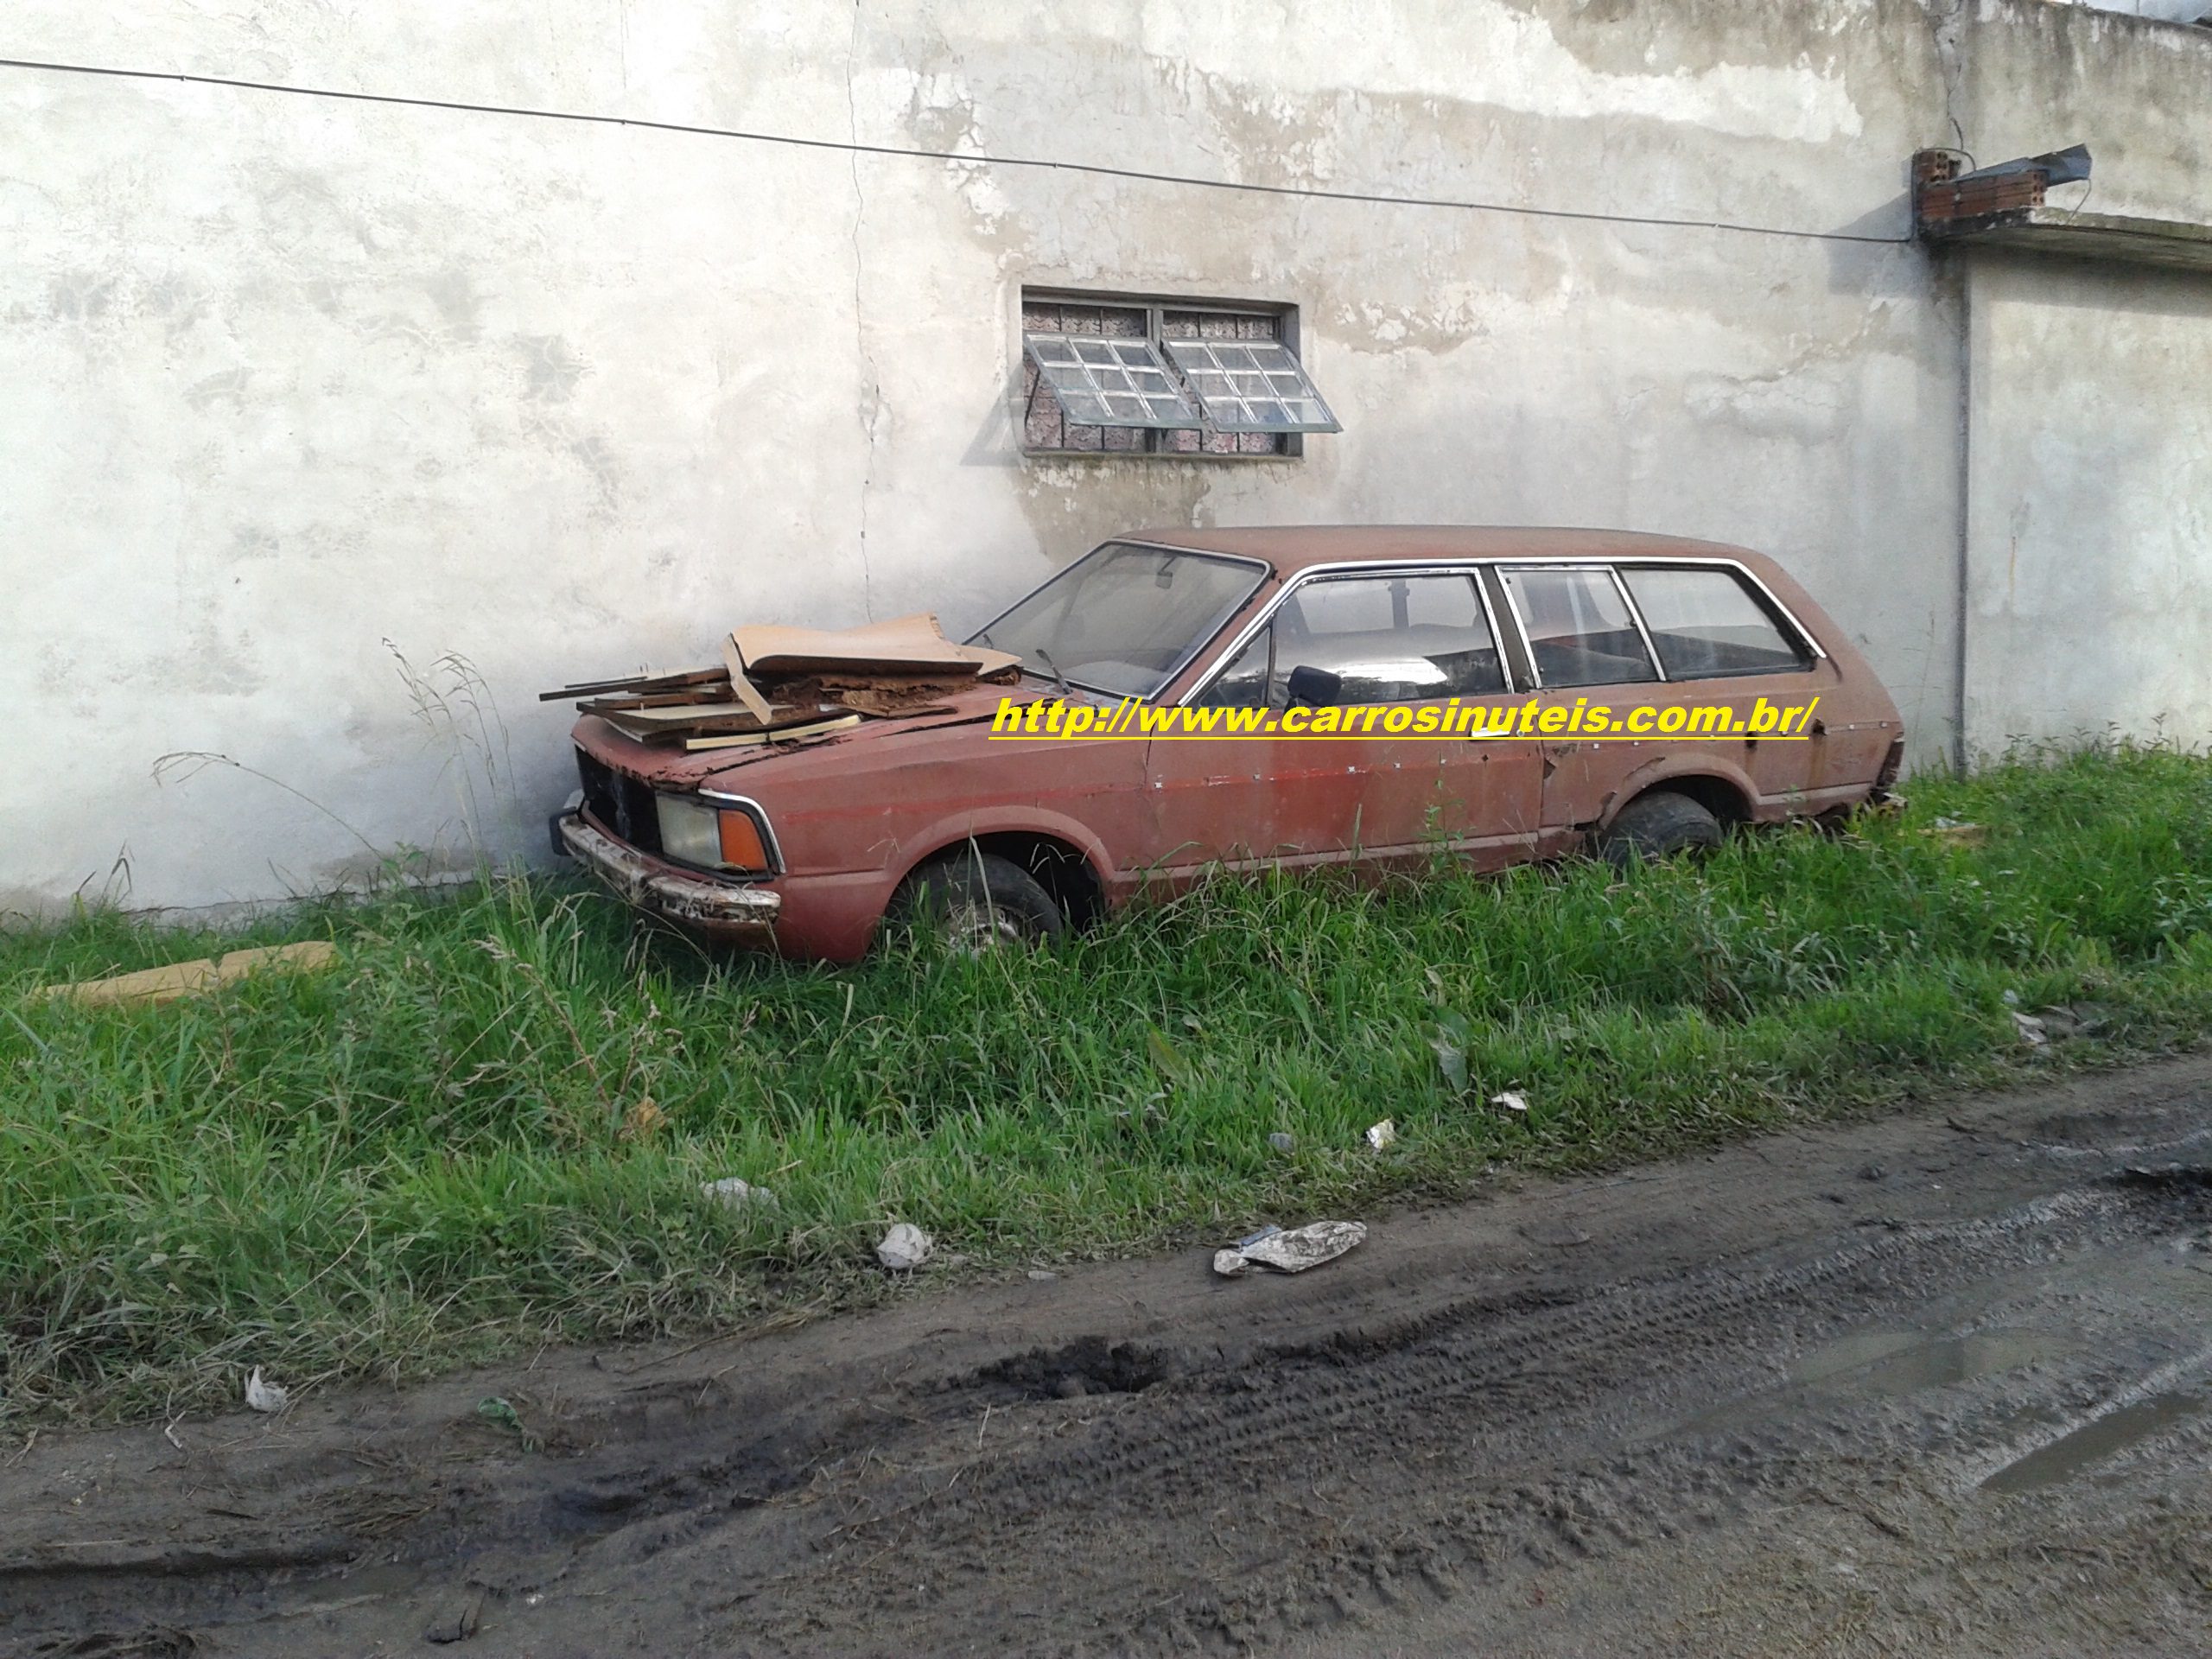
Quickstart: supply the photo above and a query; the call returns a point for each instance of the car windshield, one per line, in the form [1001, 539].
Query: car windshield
[1122, 619]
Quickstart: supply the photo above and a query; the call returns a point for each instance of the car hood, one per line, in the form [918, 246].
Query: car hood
[674, 768]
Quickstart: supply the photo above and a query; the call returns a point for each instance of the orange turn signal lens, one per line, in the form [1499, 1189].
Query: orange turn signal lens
[742, 848]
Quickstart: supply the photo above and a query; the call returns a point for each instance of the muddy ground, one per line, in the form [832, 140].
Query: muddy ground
[1937, 1384]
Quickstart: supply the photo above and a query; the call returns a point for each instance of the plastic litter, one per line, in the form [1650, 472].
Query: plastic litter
[497, 1408]
[735, 1193]
[265, 1396]
[1294, 1251]
[904, 1248]
[1512, 1101]
[1280, 1141]
[1958, 831]
[1381, 1135]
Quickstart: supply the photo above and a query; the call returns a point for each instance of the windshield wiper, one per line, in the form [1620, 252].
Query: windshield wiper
[1065, 691]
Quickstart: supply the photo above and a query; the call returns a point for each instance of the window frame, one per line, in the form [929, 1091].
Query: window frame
[1291, 445]
[1265, 618]
[1611, 568]
[1794, 633]
[1198, 648]
[1515, 655]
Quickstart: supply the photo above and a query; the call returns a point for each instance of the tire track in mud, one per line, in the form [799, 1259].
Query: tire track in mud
[1451, 1397]
[1158, 1465]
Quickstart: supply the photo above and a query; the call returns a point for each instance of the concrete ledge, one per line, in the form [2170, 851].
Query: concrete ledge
[2113, 239]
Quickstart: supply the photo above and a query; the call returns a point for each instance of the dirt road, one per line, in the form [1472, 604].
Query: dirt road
[1933, 1384]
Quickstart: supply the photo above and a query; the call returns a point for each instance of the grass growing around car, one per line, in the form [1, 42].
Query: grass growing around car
[488, 1126]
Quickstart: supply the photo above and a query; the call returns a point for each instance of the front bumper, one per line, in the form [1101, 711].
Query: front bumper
[730, 911]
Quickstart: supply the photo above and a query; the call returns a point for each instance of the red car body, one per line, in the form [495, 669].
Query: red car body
[848, 819]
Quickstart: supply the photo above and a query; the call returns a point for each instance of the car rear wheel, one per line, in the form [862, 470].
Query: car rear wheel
[1657, 825]
[976, 901]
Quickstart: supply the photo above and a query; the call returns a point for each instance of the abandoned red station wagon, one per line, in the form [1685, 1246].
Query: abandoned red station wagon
[994, 839]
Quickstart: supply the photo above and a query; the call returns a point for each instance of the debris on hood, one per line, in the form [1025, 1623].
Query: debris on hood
[904, 1248]
[155, 986]
[905, 644]
[778, 684]
[1290, 1252]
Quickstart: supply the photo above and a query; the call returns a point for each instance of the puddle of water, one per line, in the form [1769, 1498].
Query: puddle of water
[1900, 1361]
[1849, 1353]
[1878, 1363]
[2115, 1431]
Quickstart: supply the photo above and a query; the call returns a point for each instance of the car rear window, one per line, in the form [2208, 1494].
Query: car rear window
[1707, 623]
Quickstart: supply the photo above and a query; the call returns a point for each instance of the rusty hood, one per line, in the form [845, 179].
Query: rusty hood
[874, 739]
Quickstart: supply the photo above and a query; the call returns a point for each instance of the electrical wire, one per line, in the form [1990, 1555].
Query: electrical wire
[979, 158]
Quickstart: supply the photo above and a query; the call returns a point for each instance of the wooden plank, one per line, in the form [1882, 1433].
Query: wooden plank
[903, 644]
[746, 693]
[640, 683]
[155, 986]
[782, 735]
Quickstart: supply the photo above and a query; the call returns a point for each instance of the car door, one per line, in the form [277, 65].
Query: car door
[1376, 680]
[1723, 644]
[1587, 651]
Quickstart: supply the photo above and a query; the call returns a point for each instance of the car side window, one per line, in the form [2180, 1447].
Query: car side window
[1389, 639]
[1579, 629]
[1244, 684]
[1707, 623]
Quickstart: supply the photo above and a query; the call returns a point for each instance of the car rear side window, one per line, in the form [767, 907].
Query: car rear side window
[1579, 629]
[1707, 623]
[1389, 639]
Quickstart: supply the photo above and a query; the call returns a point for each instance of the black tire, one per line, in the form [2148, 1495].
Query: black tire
[976, 901]
[1657, 825]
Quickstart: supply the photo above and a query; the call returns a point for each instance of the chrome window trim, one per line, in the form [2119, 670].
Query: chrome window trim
[1804, 634]
[1470, 569]
[1265, 569]
[1611, 568]
[1616, 566]
[752, 809]
[1499, 564]
[1635, 615]
[1520, 628]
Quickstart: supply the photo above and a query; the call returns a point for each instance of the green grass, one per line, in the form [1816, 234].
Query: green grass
[417, 1159]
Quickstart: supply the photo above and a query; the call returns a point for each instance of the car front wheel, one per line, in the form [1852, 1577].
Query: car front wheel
[976, 901]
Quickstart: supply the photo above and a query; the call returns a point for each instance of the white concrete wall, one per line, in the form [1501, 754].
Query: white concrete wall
[2090, 514]
[286, 378]
[2092, 521]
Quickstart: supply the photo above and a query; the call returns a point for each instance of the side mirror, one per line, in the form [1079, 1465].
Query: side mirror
[1316, 688]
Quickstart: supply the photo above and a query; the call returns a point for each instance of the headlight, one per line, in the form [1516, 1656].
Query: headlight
[691, 832]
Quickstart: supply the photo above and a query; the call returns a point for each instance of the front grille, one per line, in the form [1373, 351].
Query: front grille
[620, 803]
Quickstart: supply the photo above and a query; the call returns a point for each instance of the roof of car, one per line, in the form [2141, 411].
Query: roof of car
[1294, 547]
